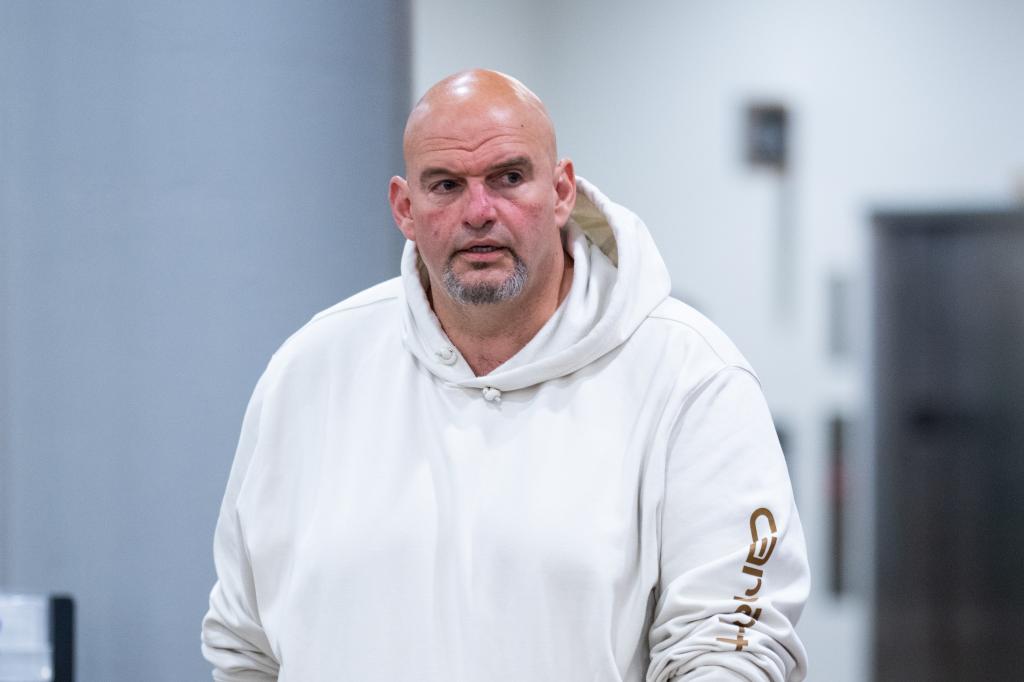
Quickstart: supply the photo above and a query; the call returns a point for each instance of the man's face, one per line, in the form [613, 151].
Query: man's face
[484, 204]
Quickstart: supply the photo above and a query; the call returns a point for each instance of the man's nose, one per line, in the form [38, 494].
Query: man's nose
[480, 206]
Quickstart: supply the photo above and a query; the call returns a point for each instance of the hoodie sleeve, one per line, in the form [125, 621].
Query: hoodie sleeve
[233, 639]
[734, 574]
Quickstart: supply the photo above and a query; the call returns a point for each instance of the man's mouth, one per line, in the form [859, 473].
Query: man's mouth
[480, 256]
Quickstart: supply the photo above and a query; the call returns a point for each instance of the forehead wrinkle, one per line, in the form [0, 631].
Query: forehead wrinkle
[437, 143]
[500, 133]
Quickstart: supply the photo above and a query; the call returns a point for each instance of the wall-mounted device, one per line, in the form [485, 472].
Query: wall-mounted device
[768, 135]
[767, 145]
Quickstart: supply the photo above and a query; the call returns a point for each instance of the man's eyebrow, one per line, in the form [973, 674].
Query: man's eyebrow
[433, 172]
[439, 171]
[517, 162]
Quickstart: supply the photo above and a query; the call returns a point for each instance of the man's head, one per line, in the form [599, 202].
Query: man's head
[484, 195]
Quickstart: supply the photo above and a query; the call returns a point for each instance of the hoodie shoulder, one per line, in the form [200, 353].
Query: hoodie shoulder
[346, 321]
[386, 290]
[703, 332]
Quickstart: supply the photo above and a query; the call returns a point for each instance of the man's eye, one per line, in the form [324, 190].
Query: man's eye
[513, 177]
[445, 186]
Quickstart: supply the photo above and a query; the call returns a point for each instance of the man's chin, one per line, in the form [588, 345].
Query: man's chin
[477, 287]
[481, 286]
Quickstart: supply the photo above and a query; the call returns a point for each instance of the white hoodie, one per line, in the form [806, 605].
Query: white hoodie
[609, 504]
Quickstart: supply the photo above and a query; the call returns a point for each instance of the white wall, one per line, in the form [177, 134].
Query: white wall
[910, 103]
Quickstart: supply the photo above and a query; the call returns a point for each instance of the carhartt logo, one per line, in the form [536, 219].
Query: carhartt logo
[764, 534]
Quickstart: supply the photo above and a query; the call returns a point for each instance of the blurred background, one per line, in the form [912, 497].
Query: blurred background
[838, 185]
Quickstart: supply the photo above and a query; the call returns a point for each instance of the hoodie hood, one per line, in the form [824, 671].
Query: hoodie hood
[618, 279]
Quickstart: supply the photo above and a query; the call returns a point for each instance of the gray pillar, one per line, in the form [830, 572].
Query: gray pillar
[182, 185]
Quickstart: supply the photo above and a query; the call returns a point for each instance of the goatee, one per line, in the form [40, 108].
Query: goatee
[485, 292]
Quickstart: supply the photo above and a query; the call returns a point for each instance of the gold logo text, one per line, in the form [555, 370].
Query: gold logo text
[764, 536]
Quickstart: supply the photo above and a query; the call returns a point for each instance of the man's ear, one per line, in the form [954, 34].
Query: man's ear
[565, 191]
[401, 206]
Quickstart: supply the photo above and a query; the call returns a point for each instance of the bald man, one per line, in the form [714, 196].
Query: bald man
[521, 460]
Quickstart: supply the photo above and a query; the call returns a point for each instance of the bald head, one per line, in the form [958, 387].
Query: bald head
[476, 95]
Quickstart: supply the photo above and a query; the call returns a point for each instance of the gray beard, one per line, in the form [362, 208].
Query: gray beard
[482, 294]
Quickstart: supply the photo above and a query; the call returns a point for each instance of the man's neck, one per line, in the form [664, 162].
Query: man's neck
[488, 335]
